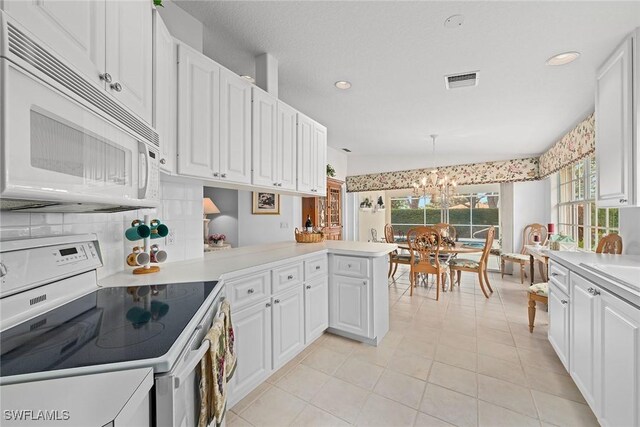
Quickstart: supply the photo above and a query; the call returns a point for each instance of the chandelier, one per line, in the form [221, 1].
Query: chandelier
[437, 185]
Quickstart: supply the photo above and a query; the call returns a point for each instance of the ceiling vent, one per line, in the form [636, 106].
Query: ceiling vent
[454, 81]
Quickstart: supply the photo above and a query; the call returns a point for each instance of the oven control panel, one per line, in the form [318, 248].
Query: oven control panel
[28, 268]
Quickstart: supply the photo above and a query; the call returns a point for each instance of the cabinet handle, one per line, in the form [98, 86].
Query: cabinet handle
[279, 184]
[3, 269]
[223, 175]
[308, 286]
[250, 291]
[348, 265]
[593, 291]
[317, 267]
[275, 184]
[116, 86]
[163, 161]
[276, 301]
[564, 301]
[289, 277]
[216, 174]
[364, 282]
[554, 274]
[268, 304]
[106, 77]
[623, 200]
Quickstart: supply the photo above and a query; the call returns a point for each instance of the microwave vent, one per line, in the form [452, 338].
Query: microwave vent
[32, 53]
[468, 79]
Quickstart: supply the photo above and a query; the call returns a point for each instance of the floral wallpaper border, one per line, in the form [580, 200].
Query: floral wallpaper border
[473, 173]
[576, 144]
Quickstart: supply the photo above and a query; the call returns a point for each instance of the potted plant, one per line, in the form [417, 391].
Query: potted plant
[217, 239]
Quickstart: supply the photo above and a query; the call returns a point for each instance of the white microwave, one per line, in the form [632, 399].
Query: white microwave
[65, 145]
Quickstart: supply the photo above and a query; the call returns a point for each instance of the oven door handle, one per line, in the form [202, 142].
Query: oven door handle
[189, 364]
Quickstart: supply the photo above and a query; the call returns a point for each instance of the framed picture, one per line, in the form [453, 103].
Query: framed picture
[266, 203]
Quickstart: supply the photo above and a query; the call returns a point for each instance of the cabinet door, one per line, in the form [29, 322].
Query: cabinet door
[198, 114]
[349, 310]
[320, 163]
[306, 154]
[264, 142]
[73, 30]
[252, 327]
[316, 308]
[287, 147]
[235, 128]
[165, 81]
[129, 54]
[583, 309]
[288, 326]
[614, 128]
[559, 323]
[617, 359]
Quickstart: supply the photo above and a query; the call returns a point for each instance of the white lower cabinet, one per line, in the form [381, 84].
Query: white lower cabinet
[603, 348]
[583, 335]
[252, 327]
[350, 305]
[559, 322]
[288, 325]
[316, 308]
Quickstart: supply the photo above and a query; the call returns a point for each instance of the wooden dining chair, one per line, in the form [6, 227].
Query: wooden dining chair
[610, 244]
[395, 257]
[458, 265]
[424, 245]
[528, 238]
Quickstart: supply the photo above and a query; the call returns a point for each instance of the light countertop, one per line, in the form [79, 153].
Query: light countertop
[239, 261]
[613, 281]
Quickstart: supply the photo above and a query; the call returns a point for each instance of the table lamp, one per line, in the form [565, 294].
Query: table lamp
[208, 208]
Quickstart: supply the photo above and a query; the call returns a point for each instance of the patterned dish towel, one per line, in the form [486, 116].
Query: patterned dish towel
[213, 378]
[230, 340]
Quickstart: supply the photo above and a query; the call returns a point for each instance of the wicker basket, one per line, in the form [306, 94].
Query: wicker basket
[304, 237]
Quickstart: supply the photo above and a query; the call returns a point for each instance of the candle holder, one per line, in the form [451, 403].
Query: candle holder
[144, 256]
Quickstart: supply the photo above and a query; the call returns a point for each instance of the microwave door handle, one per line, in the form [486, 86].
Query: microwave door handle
[189, 364]
[143, 154]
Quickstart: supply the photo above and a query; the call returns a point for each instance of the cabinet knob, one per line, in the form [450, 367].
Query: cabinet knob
[593, 291]
[106, 77]
[250, 291]
[163, 161]
[308, 286]
[279, 184]
[289, 277]
[3, 269]
[223, 175]
[216, 174]
[275, 184]
[554, 274]
[317, 267]
[623, 200]
[364, 282]
[276, 301]
[564, 301]
[116, 86]
[268, 304]
[348, 265]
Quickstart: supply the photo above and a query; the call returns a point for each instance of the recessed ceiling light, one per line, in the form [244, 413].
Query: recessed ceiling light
[343, 84]
[563, 58]
[454, 21]
[251, 79]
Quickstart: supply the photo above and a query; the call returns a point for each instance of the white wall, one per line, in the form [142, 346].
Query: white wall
[181, 25]
[338, 159]
[257, 229]
[226, 222]
[181, 210]
[369, 219]
[531, 203]
[629, 222]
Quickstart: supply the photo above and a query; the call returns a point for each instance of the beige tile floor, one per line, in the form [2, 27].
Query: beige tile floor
[464, 361]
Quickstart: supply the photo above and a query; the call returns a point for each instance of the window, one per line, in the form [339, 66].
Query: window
[470, 214]
[578, 215]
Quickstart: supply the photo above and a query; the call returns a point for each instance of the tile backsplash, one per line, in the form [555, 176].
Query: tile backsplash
[180, 209]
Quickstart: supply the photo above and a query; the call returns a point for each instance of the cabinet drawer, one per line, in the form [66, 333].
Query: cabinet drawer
[246, 290]
[287, 277]
[350, 266]
[559, 275]
[315, 267]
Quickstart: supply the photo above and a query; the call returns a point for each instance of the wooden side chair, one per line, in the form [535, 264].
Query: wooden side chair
[539, 292]
[424, 245]
[528, 236]
[610, 244]
[458, 265]
[395, 257]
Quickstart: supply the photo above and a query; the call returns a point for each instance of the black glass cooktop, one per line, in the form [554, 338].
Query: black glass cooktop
[107, 326]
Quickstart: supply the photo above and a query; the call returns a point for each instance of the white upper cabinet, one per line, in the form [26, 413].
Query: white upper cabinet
[287, 146]
[235, 128]
[320, 161]
[75, 30]
[129, 54]
[264, 139]
[306, 154]
[165, 81]
[616, 133]
[110, 42]
[198, 114]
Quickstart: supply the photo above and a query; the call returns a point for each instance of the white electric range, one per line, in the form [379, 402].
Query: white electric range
[56, 322]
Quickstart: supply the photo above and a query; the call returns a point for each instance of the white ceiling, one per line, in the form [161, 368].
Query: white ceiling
[396, 54]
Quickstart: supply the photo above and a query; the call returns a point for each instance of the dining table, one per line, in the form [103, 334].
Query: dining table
[458, 248]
